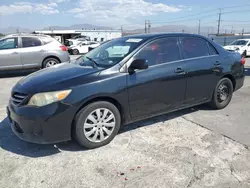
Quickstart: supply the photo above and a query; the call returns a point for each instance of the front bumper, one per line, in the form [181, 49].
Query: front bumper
[44, 125]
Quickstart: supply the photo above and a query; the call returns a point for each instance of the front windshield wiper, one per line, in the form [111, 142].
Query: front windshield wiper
[93, 61]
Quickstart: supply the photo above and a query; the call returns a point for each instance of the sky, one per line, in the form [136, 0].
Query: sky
[127, 13]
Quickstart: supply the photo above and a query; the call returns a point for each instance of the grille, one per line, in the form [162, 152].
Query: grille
[18, 98]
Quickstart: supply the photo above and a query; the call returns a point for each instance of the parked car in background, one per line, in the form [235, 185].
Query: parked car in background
[83, 47]
[69, 43]
[241, 46]
[122, 81]
[76, 40]
[81, 38]
[28, 51]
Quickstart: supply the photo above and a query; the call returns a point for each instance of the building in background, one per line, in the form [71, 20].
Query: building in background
[94, 35]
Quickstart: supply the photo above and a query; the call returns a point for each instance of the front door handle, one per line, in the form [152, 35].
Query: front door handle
[217, 63]
[14, 53]
[179, 70]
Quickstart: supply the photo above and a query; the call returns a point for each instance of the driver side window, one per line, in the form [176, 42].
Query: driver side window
[160, 51]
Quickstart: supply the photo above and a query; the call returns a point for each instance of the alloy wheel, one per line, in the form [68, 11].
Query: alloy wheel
[51, 63]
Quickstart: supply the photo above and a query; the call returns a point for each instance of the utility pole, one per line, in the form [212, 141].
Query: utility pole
[232, 30]
[218, 31]
[242, 32]
[149, 26]
[146, 25]
[122, 29]
[199, 28]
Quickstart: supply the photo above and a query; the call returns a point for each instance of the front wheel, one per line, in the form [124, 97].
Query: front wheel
[222, 94]
[97, 124]
[244, 54]
[75, 52]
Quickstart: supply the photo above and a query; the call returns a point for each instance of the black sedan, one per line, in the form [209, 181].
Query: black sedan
[122, 81]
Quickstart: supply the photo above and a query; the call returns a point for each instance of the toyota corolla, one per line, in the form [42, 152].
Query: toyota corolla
[122, 81]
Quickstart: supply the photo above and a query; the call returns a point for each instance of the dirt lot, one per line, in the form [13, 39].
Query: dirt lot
[194, 148]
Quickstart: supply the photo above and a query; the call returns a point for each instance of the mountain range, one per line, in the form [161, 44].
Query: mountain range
[163, 28]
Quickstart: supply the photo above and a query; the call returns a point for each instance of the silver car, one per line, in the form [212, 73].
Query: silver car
[27, 51]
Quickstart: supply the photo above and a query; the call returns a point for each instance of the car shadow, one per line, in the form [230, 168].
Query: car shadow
[19, 73]
[11, 143]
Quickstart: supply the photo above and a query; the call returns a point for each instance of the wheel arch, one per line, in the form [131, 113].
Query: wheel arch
[51, 56]
[230, 77]
[100, 98]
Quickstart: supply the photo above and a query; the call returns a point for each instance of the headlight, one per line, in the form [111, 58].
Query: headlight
[42, 99]
[236, 49]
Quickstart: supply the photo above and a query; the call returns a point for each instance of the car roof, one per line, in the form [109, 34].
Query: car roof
[243, 39]
[26, 35]
[158, 35]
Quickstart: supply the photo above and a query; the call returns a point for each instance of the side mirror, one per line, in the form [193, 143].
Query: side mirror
[138, 64]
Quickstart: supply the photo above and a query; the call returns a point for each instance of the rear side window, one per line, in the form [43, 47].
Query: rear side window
[212, 50]
[30, 42]
[9, 43]
[194, 47]
[160, 51]
[46, 40]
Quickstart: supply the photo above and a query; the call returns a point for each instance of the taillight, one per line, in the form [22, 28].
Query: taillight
[64, 48]
[243, 61]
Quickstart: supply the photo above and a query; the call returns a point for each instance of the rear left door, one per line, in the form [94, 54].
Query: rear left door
[32, 52]
[203, 66]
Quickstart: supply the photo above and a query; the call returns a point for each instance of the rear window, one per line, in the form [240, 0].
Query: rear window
[46, 40]
[30, 42]
[212, 50]
[68, 43]
[194, 47]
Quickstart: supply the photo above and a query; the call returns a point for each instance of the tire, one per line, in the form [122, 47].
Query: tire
[75, 52]
[244, 54]
[88, 133]
[49, 62]
[220, 101]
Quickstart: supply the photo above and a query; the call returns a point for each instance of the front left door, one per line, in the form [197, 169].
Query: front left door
[9, 54]
[32, 52]
[161, 87]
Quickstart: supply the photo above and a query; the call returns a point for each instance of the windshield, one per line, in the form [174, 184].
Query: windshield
[240, 42]
[110, 53]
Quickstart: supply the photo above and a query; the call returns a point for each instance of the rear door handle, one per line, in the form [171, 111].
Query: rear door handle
[14, 53]
[179, 70]
[42, 50]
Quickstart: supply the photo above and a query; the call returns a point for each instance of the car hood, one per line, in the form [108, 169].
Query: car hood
[57, 77]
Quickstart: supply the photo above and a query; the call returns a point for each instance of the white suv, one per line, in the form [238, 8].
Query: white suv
[242, 46]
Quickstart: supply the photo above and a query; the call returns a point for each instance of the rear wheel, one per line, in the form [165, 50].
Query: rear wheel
[97, 124]
[50, 62]
[75, 52]
[222, 94]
